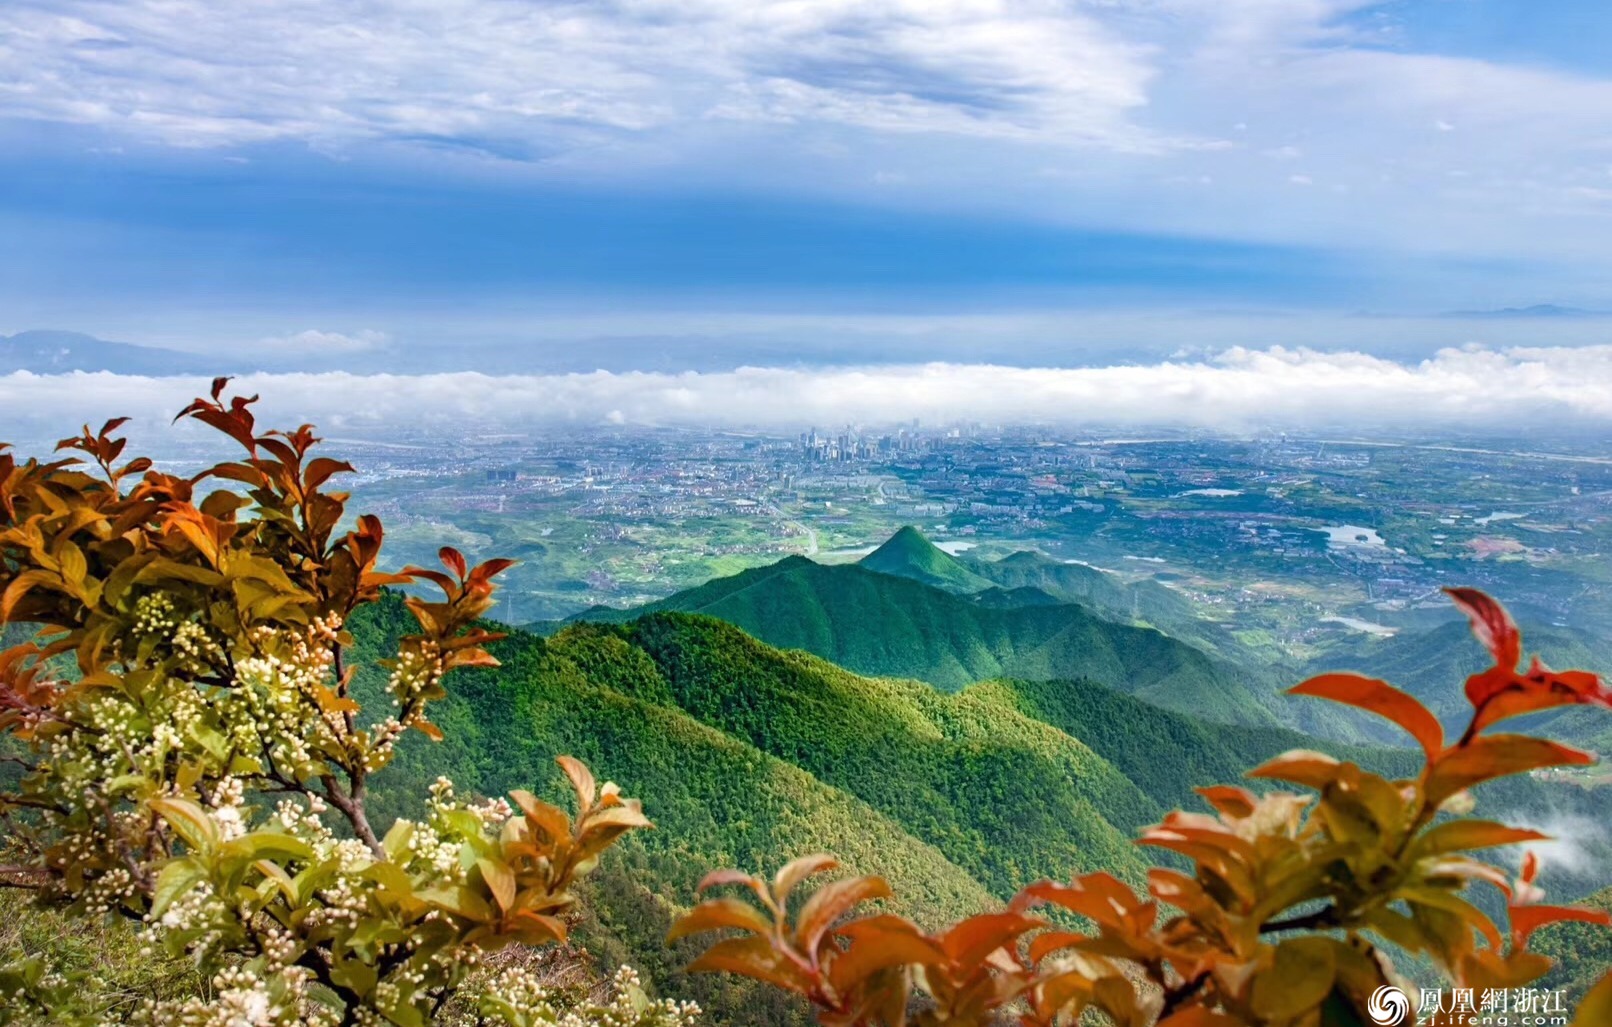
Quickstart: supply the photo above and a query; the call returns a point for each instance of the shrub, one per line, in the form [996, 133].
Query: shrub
[1284, 919]
[181, 729]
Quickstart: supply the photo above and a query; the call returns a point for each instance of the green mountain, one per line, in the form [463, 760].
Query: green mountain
[1131, 734]
[745, 755]
[716, 799]
[1432, 664]
[908, 554]
[1583, 952]
[1145, 603]
[997, 598]
[1078, 583]
[876, 624]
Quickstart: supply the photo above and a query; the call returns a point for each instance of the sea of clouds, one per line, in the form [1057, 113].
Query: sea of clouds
[1514, 390]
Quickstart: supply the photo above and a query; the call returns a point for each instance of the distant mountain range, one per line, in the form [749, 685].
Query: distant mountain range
[746, 754]
[1538, 310]
[906, 610]
[52, 352]
[911, 610]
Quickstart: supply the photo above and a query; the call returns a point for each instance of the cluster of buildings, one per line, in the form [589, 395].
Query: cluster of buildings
[851, 446]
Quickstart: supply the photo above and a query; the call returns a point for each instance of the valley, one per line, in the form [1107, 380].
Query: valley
[1291, 545]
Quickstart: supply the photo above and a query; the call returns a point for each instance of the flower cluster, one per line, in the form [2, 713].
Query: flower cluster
[182, 772]
[517, 997]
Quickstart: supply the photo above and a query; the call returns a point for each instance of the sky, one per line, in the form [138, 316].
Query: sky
[529, 186]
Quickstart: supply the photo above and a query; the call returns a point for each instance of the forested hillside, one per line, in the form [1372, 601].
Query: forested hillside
[748, 752]
[879, 624]
[1424, 663]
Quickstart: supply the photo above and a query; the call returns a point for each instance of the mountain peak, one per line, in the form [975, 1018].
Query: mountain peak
[908, 554]
[907, 547]
[48, 351]
[908, 537]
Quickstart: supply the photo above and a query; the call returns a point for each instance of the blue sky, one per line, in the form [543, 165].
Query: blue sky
[804, 178]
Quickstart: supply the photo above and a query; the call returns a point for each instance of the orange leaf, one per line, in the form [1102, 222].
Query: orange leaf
[877, 943]
[500, 881]
[717, 878]
[320, 470]
[581, 780]
[832, 901]
[752, 957]
[428, 729]
[1301, 766]
[1381, 698]
[1491, 624]
[1099, 896]
[715, 914]
[1596, 1009]
[537, 928]
[797, 870]
[1052, 941]
[970, 941]
[1229, 800]
[1491, 756]
[551, 820]
[1525, 920]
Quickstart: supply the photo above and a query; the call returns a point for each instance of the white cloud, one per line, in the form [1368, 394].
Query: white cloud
[1577, 843]
[1066, 110]
[1235, 389]
[527, 78]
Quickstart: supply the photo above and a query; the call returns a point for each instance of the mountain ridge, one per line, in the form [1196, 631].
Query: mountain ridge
[887, 626]
[47, 351]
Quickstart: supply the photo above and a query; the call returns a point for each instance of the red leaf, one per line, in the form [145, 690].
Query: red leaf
[878, 942]
[1229, 800]
[970, 941]
[1491, 624]
[715, 914]
[1498, 694]
[832, 901]
[1381, 698]
[453, 560]
[1491, 756]
[1525, 920]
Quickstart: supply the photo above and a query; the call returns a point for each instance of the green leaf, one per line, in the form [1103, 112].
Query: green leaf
[177, 878]
[269, 845]
[189, 821]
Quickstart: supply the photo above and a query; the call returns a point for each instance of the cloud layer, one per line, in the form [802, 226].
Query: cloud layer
[1275, 118]
[518, 76]
[1239, 389]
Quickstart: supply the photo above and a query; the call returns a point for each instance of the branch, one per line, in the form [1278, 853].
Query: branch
[1176, 996]
[26, 878]
[352, 807]
[1327, 917]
